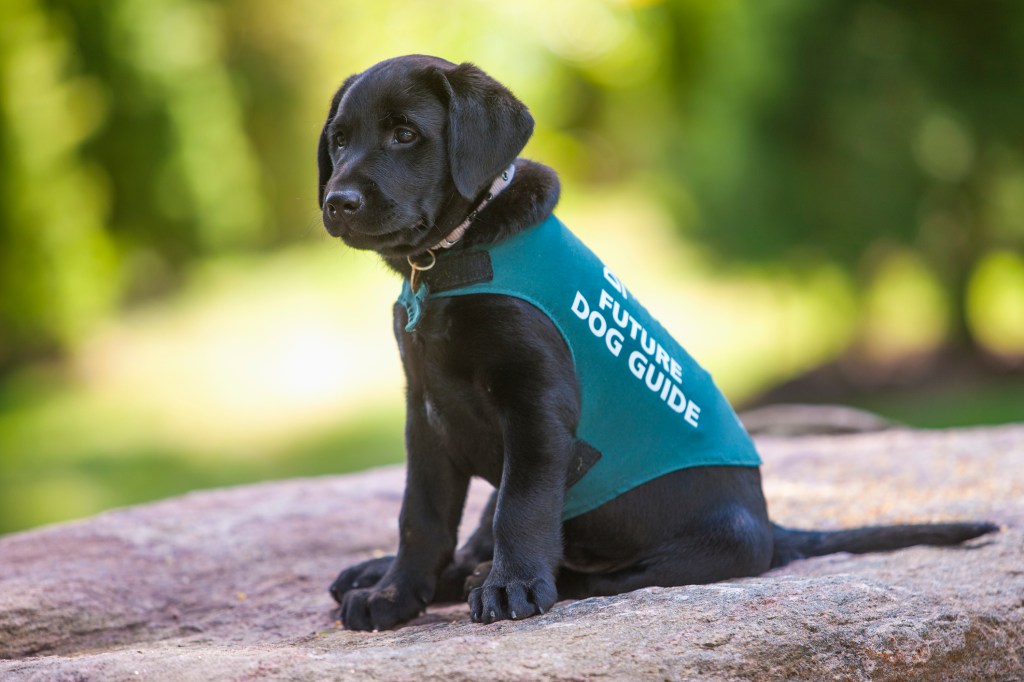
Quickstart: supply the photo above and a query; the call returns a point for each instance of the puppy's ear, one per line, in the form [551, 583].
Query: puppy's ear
[487, 127]
[323, 152]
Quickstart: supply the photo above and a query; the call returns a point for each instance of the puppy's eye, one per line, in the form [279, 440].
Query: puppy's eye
[404, 135]
[339, 140]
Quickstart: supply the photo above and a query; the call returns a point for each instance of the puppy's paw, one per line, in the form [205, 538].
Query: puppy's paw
[380, 608]
[457, 579]
[511, 598]
[476, 577]
[366, 574]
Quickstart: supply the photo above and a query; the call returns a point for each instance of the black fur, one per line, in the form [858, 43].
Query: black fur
[491, 388]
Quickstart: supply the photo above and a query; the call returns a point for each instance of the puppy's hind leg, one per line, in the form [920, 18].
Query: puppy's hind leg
[731, 543]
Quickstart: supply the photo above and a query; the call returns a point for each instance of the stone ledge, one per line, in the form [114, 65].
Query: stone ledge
[231, 584]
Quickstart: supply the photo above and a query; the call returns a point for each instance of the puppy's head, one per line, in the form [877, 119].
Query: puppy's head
[409, 146]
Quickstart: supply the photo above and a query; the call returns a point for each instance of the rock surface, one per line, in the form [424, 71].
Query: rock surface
[231, 585]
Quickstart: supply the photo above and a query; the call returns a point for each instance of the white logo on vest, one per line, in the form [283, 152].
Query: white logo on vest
[650, 363]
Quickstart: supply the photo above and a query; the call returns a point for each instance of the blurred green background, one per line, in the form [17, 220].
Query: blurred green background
[823, 199]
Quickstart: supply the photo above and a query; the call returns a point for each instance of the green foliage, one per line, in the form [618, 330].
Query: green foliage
[57, 270]
[138, 135]
[838, 129]
[125, 154]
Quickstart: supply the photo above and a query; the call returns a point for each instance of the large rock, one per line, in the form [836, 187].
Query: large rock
[231, 585]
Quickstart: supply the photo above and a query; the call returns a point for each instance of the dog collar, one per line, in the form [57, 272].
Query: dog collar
[496, 188]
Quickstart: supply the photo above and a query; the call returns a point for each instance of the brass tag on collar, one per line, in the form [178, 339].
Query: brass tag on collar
[414, 275]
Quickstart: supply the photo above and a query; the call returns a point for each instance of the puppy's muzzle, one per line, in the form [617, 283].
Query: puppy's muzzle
[346, 201]
[340, 205]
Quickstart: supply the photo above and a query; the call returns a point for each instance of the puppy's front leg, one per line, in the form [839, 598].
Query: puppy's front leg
[527, 518]
[435, 493]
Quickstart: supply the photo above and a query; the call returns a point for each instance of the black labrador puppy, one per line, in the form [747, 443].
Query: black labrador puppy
[418, 162]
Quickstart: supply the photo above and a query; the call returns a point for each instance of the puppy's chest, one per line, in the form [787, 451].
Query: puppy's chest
[447, 383]
[463, 420]
[455, 400]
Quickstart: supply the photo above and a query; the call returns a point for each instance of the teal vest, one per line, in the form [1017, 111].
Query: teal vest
[646, 406]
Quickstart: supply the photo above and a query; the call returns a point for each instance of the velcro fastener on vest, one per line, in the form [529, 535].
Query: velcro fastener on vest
[584, 457]
[459, 270]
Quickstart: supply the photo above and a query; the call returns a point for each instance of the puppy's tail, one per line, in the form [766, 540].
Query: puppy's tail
[800, 544]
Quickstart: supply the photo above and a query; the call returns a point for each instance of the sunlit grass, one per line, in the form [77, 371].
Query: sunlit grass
[995, 402]
[262, 367]
[255, 351]
[89, 477]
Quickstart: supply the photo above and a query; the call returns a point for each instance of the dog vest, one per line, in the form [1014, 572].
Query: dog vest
[647, 408]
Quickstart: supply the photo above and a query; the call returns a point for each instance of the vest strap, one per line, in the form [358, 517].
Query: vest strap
[584, 457]
[459, 270]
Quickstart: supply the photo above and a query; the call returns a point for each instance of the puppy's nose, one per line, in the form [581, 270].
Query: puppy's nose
[343, 201]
